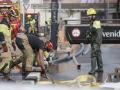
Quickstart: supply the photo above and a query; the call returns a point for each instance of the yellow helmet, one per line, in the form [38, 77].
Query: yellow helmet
[91, 11]
[29, 16]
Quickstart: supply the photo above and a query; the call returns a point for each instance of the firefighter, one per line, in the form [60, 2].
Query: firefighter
[46, 28]
[27, 57]
[5, 55]
[15, 24]
[5, 15]
[95, 36]
[32, 25]
[29, 44]
[13, 11]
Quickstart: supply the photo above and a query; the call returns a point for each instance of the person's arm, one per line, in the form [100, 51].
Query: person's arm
[4, 46]
[40, 59]
[3, 43]
[13, 40]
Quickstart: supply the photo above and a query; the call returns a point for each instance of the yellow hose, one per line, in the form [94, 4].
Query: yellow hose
[82, 80]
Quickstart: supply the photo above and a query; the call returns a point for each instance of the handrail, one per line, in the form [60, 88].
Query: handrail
[103, 24]
[87, 19]
[104, 21]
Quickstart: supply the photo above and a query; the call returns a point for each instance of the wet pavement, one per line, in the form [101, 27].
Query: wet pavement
[68, 70]
[111, 60]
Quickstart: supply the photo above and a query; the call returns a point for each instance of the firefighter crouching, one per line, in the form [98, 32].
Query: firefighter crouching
[95, 37]
[27, 58]
[30, 45]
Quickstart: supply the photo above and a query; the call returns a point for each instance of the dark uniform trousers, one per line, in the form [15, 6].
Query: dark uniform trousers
[96, 41]
[96, 57]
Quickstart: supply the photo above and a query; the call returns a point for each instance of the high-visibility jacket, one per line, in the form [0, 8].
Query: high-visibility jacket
[97, 24]
[96, 32]
[32, 23]
[6, 31]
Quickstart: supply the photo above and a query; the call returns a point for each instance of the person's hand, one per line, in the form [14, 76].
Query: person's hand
[43, 74]
[13, 45]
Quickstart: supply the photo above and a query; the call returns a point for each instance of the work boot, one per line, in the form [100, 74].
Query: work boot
[43, 74]
[24, 74]
[92, 72]
[7, 77]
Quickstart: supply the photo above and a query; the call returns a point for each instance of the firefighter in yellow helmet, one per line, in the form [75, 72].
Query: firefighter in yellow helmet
[29, 16]
[95, 37]
[32, 25]
[13, 11]
[91, 11]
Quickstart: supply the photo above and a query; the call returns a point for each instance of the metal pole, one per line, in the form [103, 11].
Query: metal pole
[45, 14]
[23, 21]
[24, 2]
[118, 8]
[108, 6]
[54, 22]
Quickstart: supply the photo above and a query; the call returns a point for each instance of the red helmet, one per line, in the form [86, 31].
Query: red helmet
[49, 45]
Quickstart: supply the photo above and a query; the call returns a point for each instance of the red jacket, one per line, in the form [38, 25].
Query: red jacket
[15, 27]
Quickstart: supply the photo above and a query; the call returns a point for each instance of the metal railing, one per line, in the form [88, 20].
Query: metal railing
[86, 21]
